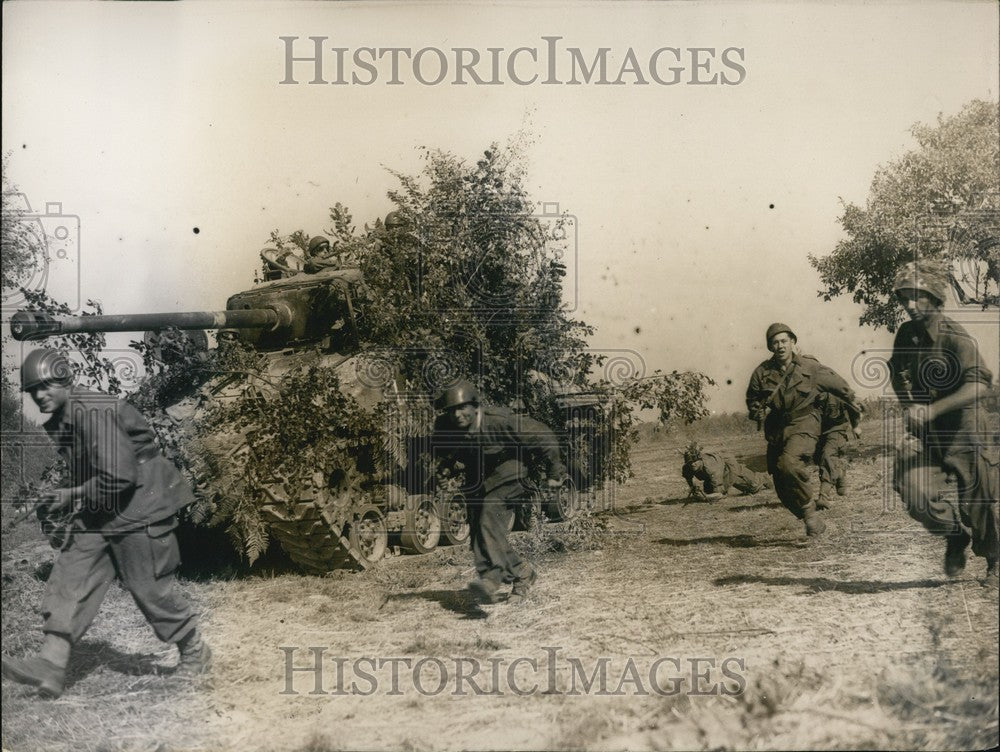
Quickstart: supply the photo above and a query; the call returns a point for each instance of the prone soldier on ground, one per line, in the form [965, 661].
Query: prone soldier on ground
[492, 445]
[122, 504]
[946, 469]
[719, 472]
[784, 397]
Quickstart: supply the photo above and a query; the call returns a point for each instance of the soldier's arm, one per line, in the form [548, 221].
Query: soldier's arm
[755, 398]
[115, 467]
[975, 378]
[688, 474]
[715, 469]
[535, 436]
[899, 372]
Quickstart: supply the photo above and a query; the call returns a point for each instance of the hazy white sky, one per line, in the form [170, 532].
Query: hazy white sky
[147, 120]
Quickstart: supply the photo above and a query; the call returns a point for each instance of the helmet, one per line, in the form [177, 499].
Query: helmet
[927, 277]
[692, 453]
[45, 367]
[776, 329]
[394, 220]
[459, 393]
[316, 243]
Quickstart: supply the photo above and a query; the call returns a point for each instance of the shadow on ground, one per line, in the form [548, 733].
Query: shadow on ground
[90, 656]
[760, 505]
[457, 601]
[825, 584]
[733, 541]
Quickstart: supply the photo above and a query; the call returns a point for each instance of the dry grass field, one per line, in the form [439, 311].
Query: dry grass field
[755, 638]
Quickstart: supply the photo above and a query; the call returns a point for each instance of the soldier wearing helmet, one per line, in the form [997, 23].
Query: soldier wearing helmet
[492, 446]
[940, 378]
[123, 499]
[319, 256]
[718, 472]
[785, 397]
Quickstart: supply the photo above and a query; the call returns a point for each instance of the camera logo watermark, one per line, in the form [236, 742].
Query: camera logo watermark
[49, 242]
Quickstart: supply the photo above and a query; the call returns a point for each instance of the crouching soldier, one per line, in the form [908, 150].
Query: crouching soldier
[946, 471]
[494, 447]
[719, 472]
[123, 496]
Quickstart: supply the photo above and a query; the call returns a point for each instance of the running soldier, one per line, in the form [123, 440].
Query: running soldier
[719, 472]
[123, 499]
[493, 446]
[784, 398]
[946, 469]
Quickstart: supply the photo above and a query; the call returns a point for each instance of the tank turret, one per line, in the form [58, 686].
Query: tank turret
[294, 320]
[273, 315]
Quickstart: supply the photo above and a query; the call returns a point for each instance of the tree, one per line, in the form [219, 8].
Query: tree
[464, 281]
[939, 200]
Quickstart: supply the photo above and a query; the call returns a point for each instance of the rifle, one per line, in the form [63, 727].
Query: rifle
[56, 525]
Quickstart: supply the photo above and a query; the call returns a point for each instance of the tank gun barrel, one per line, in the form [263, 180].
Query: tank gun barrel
[34, 325]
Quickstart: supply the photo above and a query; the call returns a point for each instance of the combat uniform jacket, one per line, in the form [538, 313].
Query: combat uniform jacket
[930, 361]
[793, 395]
[500, 450]
[933, 361]
[110, 451]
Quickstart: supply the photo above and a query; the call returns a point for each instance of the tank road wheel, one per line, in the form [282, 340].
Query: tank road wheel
[454, 514]
[528, 512]
[564, 503]
[368, 535]
[422, 525]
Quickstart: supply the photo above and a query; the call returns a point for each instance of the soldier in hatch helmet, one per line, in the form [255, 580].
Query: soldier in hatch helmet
[319, 256]
[940, 378]
[491, 444]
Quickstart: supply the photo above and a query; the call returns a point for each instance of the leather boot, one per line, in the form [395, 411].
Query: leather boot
[992, 579]
[954, 554]
[841, 484]
[196, 656]
[36, 672]
[522, 587]
[823, 500]
[814, 525]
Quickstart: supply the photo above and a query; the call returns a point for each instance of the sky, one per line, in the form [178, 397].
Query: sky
[695, 205]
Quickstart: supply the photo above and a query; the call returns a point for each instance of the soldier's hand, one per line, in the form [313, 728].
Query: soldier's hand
[917, 417]
[857, 432]
[58, 501]
[555, 483]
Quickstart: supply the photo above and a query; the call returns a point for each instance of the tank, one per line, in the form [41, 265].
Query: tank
[296, 319]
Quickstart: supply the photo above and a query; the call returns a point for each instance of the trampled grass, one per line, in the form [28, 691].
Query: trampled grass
[856, 640]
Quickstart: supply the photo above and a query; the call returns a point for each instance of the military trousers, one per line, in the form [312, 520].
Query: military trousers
[789, 463]
[745, 480]
[145, 560]
[830, 460]
[956, 494]
[489, 518]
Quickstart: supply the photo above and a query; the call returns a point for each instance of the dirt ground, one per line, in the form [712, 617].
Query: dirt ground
[717, 626]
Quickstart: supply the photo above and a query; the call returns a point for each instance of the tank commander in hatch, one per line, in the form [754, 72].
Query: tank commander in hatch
[320, 256]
